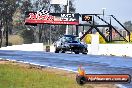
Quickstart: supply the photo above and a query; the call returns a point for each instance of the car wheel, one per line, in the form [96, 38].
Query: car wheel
[84, 53]
[81, 80]
[63, 51]
[76, 52]
[56, 50]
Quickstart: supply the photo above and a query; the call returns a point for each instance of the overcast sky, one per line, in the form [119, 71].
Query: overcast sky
[122, 9]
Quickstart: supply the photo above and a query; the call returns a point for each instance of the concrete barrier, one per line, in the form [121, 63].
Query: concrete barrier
[107, 49]
[100, 49]
[94, 44]
[113, 49]
[25, 47]
[52, 48]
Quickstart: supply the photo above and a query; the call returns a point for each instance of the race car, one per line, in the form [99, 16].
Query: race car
[70, 43]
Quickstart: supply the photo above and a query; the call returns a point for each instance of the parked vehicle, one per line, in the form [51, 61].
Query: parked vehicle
[70, 43]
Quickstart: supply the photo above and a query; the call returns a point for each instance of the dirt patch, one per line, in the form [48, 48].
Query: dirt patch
[57, 72]
[4, 61]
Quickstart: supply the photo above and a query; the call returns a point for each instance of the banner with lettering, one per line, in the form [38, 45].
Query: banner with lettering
[33, 18]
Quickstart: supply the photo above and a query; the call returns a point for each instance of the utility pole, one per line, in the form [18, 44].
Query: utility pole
[67, 12]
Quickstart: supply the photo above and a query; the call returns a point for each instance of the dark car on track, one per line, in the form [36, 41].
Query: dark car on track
[70, 43]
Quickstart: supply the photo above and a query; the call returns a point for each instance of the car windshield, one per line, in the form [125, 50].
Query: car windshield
[71, 39]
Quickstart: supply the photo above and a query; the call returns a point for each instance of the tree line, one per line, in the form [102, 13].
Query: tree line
[13, 15]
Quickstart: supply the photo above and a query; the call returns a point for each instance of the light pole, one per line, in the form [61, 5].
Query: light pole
[63, 2]
[103, 12]
[67, 12]
[50, 36]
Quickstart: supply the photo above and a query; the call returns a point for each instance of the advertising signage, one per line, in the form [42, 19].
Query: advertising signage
[33, 18]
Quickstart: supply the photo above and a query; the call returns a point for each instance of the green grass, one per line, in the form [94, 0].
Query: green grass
[12, 76]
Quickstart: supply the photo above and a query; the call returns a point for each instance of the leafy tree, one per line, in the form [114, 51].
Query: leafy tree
[28, 36]
[7, 9]
[15, 40]
[128, 25]
[72, 8]
[13, 13]
[52, 32]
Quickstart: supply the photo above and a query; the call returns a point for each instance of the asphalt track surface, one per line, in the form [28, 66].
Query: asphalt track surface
[91, 63]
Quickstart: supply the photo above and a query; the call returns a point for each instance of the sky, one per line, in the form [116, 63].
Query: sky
[121, 9]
